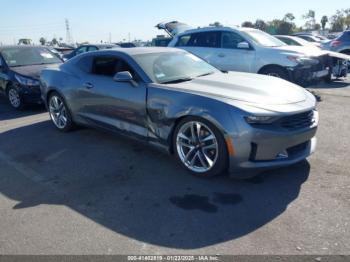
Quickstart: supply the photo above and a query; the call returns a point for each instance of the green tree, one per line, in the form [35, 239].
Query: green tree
[248, 24]
[260, 24]
[54, 41]
[42, 41]
[337, 21]
[310, 20]
[216, 24]
[289, 17]
[324, 21]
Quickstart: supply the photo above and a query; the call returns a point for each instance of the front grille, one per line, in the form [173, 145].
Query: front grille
[298, 121]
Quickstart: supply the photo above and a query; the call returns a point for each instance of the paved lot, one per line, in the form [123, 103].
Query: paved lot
[89, 192]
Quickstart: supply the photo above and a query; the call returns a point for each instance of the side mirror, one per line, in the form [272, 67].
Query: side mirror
[124, 76]
[243, 45]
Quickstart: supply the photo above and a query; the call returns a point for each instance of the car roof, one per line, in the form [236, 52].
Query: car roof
[3, 47]
[217, 28]
[137, 50]
[99, 45]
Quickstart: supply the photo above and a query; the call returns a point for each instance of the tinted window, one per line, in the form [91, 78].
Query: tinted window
[92, 48]
[289, 41]
[183, 40]
[345, 36]
[205, 39]
[231, 40]
[81, 50]
[109, 66]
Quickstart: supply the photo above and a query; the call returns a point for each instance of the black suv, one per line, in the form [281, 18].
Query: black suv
[20, 68]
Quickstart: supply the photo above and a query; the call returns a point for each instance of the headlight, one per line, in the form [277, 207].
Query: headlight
[26, 81]
[260, 119]
[303, 60]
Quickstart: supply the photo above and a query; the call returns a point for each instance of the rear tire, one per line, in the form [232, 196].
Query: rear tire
[200, 147]
[59, 113]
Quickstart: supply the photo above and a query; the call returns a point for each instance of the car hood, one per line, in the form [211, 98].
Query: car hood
[245, 87]
[309, 51]
[32, 71]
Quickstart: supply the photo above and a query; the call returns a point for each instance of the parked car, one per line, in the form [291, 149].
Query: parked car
[340, 62]
[20, 68]
[212, 121]
[250, 50]
[126, 44]
[340, 44]
[316, 40]
[87, 48]
[295, 41]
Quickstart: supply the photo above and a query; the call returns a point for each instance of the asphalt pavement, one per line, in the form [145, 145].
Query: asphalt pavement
[90, 192]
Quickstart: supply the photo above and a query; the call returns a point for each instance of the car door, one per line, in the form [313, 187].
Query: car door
[236, 53]
[119, 106]
[205, 45]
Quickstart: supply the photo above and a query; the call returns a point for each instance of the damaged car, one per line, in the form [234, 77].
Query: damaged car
[250, 50]
[340, 61]
[211, 121]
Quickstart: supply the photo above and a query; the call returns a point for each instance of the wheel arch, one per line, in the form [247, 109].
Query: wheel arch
[177, 120]
[265, 67]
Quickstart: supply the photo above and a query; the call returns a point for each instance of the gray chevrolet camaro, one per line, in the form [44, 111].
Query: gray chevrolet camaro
[211, 120]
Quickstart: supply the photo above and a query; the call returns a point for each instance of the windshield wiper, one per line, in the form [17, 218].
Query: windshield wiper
[179, 80]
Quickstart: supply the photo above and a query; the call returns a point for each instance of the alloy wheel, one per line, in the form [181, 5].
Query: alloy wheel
[14, 98]
[197, 146]
[58, 112]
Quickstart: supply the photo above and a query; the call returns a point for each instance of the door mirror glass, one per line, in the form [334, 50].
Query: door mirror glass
[243, 45]
[124, 76]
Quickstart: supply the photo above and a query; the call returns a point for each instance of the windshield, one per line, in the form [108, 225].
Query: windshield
[18, 56]
[264, 39]
[173, 66]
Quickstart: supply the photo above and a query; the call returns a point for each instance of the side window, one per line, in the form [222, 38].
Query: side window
[183, 40]
[92, 48]
[231, 40]
[81, 50]
[345, 36]
[109, 66]
[205, 39]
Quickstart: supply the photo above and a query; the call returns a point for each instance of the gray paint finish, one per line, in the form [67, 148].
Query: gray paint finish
[150, 111]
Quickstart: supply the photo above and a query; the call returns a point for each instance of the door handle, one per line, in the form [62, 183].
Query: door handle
[221, 55]
[88, 85]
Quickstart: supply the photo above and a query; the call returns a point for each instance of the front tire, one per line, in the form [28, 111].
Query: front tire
[59, 113]
[14, 98]
[200, 147]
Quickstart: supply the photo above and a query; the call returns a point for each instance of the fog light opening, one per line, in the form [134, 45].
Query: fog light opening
[282, 155]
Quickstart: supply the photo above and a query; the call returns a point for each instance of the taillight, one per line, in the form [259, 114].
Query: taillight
[335, 43]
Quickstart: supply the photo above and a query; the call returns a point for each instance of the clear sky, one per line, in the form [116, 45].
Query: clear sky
[93, 20]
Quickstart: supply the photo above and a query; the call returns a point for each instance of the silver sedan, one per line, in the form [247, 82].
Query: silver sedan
[212, 121]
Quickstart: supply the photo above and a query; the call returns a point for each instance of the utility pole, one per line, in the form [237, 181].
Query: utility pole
[69, 38]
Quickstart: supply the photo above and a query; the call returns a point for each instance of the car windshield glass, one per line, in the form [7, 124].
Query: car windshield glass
[264, 39]
[28, 56]
[173, 67]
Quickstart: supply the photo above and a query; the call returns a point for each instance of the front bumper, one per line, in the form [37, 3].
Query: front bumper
[259, 149]
[30, 95]
[302, 74]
